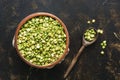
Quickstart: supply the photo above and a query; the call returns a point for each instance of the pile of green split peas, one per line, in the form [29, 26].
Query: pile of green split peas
[90, 34]
[41, 40]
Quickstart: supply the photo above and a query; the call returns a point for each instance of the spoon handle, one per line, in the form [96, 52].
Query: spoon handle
[74, 61]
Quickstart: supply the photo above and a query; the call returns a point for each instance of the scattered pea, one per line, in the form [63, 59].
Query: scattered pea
[41, 40]
[103, 44]
[88, 22]
[93, 20]
[102, 52]
[100, 31]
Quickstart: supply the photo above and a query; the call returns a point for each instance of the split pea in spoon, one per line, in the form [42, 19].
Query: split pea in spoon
[89, 37]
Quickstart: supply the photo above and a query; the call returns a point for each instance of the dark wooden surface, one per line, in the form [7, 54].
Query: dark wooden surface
[74, 13]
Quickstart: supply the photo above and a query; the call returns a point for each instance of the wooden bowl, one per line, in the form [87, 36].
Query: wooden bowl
[35, 15]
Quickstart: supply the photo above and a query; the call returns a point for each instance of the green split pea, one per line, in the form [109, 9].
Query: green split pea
[41, 40]
[90, 34]
[103, 44]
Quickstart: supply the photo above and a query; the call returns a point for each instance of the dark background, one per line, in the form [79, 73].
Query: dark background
[74, 13]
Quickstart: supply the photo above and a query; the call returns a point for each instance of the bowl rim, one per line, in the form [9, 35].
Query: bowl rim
[24, 20]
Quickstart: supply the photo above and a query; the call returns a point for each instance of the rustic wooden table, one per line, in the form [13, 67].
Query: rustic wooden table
[92, 65]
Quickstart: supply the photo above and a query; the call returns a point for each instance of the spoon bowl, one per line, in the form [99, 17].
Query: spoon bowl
[86, 42]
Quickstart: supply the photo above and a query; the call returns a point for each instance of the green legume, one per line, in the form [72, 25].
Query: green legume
[93, 20]
[103, 44]
[102, 52]
[100, 31]
[41, 40]
[90, 34]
